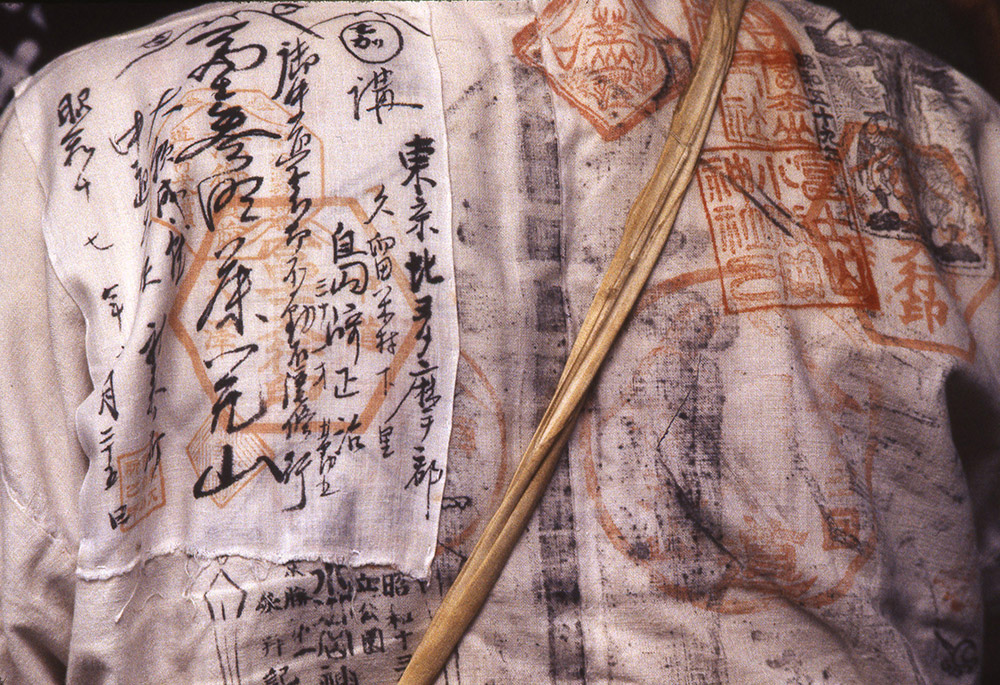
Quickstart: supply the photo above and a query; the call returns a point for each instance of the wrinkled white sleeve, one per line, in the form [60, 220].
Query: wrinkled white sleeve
[976, 425]
[42, 380]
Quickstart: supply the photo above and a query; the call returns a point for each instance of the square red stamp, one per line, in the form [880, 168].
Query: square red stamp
[141, 485]
[783, 230]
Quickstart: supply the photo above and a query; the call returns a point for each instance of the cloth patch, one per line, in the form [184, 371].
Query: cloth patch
[287, 314]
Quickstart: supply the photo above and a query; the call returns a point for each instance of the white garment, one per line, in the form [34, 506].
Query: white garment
[286, 287]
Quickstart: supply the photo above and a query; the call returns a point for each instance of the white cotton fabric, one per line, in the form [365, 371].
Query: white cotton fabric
[262, 254]
[785, 471]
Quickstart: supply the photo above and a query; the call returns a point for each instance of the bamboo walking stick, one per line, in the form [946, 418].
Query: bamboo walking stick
[646, 229]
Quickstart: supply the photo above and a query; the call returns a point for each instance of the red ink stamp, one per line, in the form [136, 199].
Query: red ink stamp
[140, 484]
[783, 230]
[777, 202]
[611, 60]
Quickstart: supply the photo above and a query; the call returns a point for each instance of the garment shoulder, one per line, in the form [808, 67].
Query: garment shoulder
[244, 44]
[897, 64]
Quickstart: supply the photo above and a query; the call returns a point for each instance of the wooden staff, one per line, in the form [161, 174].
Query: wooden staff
[646, 229]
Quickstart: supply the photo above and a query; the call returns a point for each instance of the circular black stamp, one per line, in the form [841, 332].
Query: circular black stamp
[373, 41]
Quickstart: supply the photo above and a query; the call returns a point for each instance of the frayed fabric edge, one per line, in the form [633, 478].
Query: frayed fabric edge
[353, 560]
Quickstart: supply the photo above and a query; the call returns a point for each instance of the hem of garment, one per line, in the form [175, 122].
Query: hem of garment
[97, 573]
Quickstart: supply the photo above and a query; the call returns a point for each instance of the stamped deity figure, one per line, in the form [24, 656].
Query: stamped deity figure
[286, 289]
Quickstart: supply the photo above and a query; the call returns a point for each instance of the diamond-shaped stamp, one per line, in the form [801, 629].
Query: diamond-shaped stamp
[610, 59]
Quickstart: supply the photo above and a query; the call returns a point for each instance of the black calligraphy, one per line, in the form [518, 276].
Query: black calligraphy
[70, 113]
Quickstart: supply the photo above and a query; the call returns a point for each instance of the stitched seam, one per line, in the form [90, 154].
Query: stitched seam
[64, 545]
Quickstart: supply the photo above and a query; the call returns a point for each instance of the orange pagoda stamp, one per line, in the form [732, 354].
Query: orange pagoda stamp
[610, 59]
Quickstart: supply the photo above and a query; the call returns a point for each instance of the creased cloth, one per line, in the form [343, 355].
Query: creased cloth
[286, 289]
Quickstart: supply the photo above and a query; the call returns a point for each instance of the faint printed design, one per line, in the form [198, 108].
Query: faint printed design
[477, 458]
[908, 190]
[911, 183]
[610, 59]
[960, 658]
[678, 478]
[225, 601]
